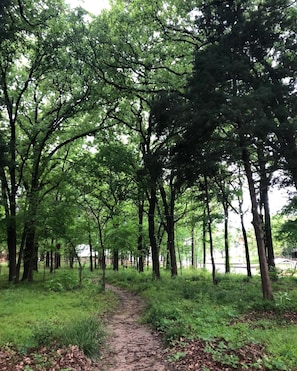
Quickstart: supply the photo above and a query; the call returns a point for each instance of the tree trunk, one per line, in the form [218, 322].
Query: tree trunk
[193, 255]
[257, 223]
[246, 247]
[169, 213]
[11, 244]
[58, 257]
[214, 279]
[30, 254]
[244, 234]
[226, 237]
[152, 236]
[31, 250]
[103, 259]
[10, 216]
[91, 247]
[267, 227]
[140, 247]
[204, 227]
[115, 260]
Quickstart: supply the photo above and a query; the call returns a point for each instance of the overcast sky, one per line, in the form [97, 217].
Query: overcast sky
[93, 6]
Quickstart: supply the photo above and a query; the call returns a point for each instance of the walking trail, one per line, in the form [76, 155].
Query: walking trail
[131, 346]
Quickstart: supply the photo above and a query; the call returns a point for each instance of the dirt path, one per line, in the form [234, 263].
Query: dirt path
[131, 346]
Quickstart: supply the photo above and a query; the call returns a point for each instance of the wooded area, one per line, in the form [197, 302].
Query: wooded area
[139, 128]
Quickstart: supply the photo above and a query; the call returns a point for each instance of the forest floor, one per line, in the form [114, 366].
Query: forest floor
[133, 346]
[130, 346]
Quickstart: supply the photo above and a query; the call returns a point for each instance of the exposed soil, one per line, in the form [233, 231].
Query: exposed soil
[131, 346]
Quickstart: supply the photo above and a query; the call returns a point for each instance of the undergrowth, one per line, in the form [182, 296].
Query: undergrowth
[232, 313]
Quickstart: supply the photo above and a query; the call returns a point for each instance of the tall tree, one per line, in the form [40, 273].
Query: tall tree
[51, 89]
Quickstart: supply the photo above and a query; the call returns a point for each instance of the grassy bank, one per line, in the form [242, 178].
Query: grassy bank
[232, 314]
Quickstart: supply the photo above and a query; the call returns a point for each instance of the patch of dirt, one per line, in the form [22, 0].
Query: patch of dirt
[131, 346]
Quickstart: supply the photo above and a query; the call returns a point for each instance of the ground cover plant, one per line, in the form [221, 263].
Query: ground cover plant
[51, 319]
[228, 323]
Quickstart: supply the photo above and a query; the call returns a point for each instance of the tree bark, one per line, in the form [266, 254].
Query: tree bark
[115, 259]
[30, 250]
[152, 236]
[140, 247]
[204, 227]
[193, 255]
[169, 214]
[267, 227]
[226, 237]
[9, 198]
[257, 223]
[91, 247]
[214, 279]
[246, 247]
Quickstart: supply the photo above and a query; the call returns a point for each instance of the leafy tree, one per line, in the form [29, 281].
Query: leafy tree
[52, 89]
[230, 87]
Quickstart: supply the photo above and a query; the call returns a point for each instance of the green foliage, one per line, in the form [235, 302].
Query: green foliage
[62, 281]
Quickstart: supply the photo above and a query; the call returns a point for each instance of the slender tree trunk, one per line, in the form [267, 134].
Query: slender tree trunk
[140, 247]
[103, 259]
[115, 259]
[169, 213]
[152, 236]
[204, 227]
[11, 243]
[193, 255]
[214, 279]
[226, 237]
[267, 228]
[244, 234]
[246, 247]
[10, 216]
[257, 223]
[91, 247]
[58, 256]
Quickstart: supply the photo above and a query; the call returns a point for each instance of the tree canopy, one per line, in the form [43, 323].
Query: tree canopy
[127, 112]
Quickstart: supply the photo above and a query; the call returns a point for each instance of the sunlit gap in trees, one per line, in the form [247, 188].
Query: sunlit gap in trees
[92, 6]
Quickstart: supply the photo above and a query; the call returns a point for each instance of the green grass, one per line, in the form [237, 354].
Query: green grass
[190, 306]
[53, 309]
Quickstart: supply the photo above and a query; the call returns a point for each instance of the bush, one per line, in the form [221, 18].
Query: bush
[64, 281]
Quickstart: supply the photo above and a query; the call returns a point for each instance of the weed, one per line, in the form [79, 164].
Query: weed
[87, 334]
[282, 300]
[43, 333]
[177, 356]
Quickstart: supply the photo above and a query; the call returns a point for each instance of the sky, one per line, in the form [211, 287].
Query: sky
[93, 6]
